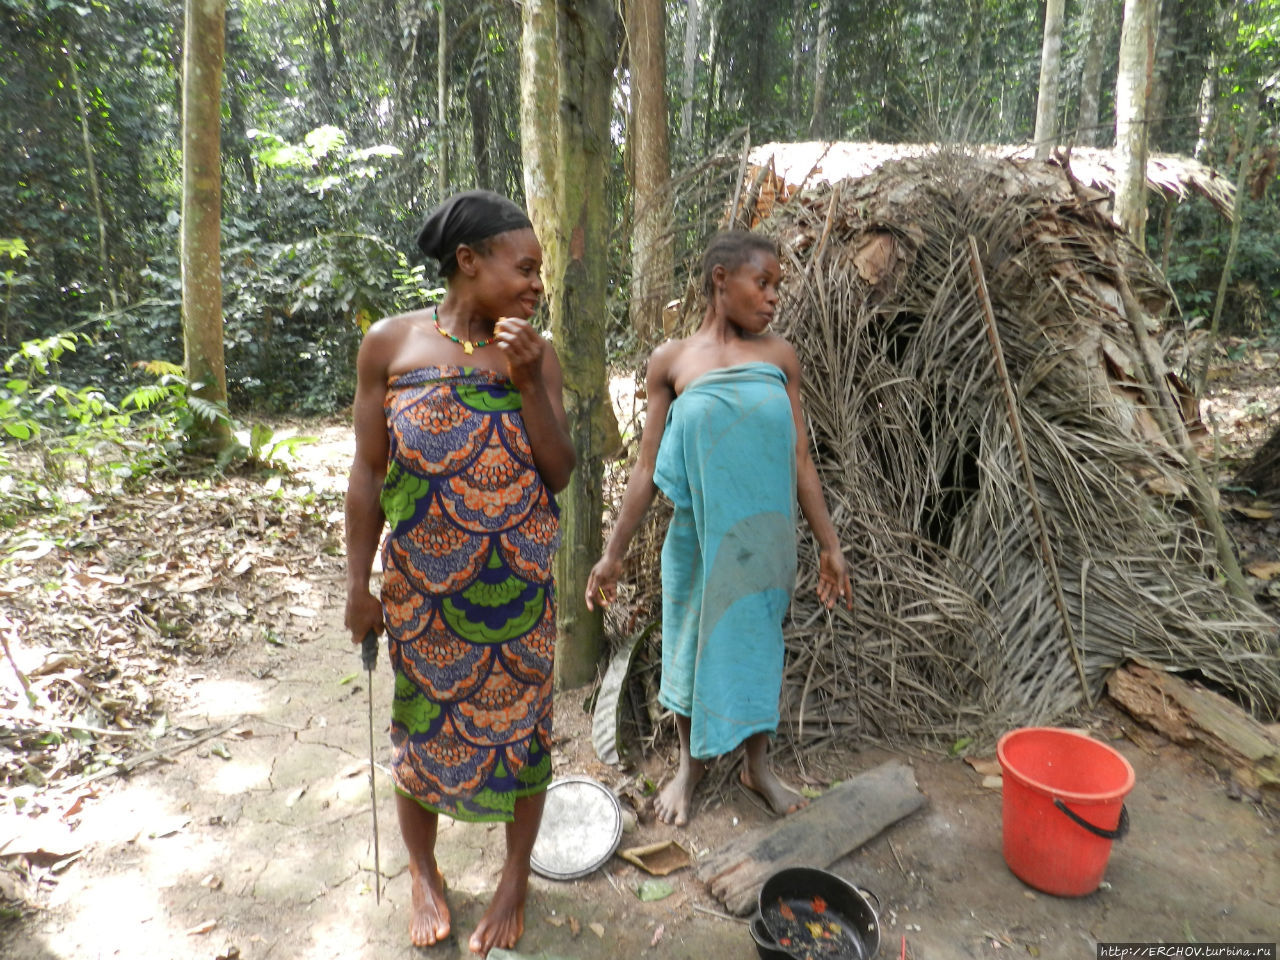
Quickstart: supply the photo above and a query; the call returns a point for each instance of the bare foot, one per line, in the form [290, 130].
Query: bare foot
[782, 798]
[503, 923]
[674, 804]
[429, 920]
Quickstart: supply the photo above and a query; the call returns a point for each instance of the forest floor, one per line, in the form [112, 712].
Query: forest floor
[199, 629]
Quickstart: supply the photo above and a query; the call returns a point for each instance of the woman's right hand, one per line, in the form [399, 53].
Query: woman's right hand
[364, 613]
[602, 582]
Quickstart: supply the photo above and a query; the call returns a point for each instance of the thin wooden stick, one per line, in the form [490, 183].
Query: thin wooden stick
[22, 677]
[128, 765]
[1170, 418]
[42, 722]
[742, 175]
[1033, 495]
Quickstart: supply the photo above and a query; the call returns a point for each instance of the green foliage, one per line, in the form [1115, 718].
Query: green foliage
[267, 450]
[1253, 296]
[56, 436]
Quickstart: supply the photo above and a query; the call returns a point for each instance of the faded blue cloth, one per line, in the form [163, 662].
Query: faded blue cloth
[728, 463]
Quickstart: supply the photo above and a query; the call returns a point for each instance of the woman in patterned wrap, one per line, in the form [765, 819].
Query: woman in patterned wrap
[461, 442]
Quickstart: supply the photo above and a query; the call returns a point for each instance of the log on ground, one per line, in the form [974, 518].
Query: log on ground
[841, 820]
[1193, 716]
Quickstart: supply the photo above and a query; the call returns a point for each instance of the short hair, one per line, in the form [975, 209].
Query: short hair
[731, 249]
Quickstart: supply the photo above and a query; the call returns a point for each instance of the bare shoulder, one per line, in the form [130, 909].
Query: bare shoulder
[385, 338]
[396, 327]
[664, 358]
[779, 351]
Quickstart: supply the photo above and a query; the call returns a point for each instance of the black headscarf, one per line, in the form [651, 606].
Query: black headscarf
[466, 218]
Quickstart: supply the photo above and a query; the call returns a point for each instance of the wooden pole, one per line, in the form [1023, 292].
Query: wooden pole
[1033, 495]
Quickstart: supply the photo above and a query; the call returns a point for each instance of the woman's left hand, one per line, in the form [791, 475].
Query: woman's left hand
[833, 579]
[523, 346]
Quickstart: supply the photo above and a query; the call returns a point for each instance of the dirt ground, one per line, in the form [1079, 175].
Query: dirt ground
[256, 843]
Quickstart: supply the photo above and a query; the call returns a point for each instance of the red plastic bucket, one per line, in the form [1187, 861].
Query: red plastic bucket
[1063, 806]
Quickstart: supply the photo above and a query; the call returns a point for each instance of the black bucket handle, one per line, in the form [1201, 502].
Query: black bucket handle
[1121, 828]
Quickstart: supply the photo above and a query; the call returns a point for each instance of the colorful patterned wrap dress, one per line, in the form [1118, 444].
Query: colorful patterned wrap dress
[467, 595]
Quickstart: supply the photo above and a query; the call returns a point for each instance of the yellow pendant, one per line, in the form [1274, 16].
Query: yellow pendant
[467, 347]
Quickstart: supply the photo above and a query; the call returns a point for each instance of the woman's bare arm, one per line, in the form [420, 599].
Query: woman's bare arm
[364, 518]
[602, 582]
[833, 574]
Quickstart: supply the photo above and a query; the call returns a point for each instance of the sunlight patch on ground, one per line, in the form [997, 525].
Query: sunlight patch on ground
[235, 778]
[224, 699]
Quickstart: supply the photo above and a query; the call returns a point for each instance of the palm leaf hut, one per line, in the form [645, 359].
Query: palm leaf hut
[1016, 521]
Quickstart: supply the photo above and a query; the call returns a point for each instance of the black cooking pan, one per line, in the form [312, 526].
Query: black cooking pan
[814, 915]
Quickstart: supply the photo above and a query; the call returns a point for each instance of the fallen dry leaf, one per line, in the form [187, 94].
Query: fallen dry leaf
[597, 929]
[1264, 570]
[657, 934]
[986, 766]
[556, 921]
[575, 927]
[202, 928]
[1254, 513]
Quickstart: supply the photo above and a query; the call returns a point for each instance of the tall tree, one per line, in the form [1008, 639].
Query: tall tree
[820, 68]
[794, 85]
[1098, 17]
[566, 82]
[1167, 59]
[1133, 83]
[652, 268]
[1046, 135]
[689, 66]
[442, 98]
[1207, 105]
[202, 56]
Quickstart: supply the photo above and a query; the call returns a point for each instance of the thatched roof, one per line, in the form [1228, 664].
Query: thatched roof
[806, 164]
[995, 568]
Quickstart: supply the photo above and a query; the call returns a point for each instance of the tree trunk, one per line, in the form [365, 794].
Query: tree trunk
[442, 100]
[1098, 16]
[320, 54]
[974, 45]
[539, 121]
[1165, 61]
[689, 66]
[794, 85]
[1133, 83]
[202, 214]
[94, 191]
[1208, 104]
[820, 68]
[334, 32]
[1046, 135]
[714, 46]
[566, 82]
[652, 269]
[478, 105]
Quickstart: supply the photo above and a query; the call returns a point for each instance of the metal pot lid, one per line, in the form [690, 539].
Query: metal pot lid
[581, 827]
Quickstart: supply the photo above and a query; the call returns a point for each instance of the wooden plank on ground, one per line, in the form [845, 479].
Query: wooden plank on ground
[1193, 716]
[841, 820]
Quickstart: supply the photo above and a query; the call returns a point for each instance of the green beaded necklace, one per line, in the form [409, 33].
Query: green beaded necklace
[468, 346]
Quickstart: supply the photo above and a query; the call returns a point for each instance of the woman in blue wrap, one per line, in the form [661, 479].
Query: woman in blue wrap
[725, 440]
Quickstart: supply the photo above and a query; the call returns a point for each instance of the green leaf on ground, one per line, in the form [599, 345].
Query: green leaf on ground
[650, 890]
